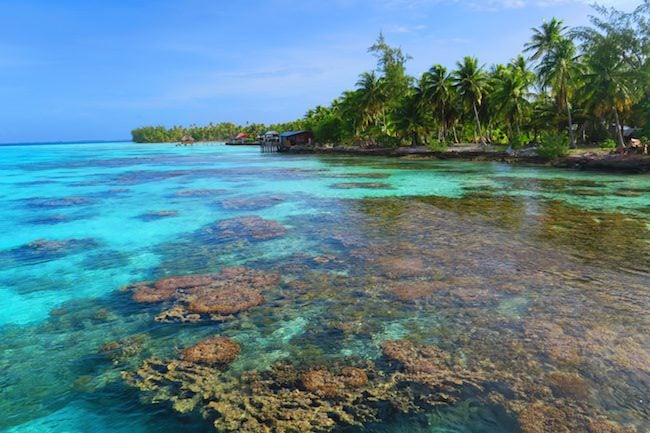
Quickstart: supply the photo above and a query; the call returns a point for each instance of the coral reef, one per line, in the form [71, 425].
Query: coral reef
[50, 219]
[251, 227]
[124, 350]
[219, 351]
[207, 296]
[308, 399]
[200, 192]
[159, 214]
[602, 425]
[44, 249]
[526, 338]
[542, 418]
[250, 203]
[401, 266]
[38, 202]
[323, 382]
[364, 185]
[359, 175]
[568, 385]
[223, 300]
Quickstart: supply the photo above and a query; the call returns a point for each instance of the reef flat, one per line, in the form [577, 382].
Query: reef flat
[247, 292]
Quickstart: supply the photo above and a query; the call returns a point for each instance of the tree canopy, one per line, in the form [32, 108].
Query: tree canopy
[585, 83]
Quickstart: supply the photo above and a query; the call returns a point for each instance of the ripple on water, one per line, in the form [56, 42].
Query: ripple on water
[495, 310]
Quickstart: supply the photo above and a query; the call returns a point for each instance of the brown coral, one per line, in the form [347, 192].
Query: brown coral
[220, 295]
[223, 299]
[250, 203]
[288, 399]
[249, 227]
[145, 294]
[416, 359]
[402, 266]
[354, 377]
[329, 384]
[568, 385]
[602, 425]
[322, 382]
[364, 185]
[542, 418]
[212, 351]
[185, 281]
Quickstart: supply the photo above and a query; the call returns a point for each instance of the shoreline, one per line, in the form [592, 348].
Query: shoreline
[633, 164]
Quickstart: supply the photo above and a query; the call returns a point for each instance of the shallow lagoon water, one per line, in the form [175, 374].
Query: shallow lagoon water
[540, 273]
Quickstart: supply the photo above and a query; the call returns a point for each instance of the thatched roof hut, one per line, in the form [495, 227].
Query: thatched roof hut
[187, 139]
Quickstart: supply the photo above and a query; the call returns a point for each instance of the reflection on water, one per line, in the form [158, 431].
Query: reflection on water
[506, 300]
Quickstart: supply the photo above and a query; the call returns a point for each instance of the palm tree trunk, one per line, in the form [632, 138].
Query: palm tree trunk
[444, 124]
[572, 141]
[453, 129]
[619, 130]
[478, 124]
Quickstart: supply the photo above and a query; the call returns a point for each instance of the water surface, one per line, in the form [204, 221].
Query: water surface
[533, 279]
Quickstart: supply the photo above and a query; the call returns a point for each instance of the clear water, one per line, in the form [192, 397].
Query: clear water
[532, 247]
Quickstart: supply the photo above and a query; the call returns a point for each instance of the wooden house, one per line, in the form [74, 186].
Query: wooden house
[296, 138]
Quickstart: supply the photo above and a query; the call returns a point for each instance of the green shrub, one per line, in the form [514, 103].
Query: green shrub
[437, 146]
[388, 142]
[553, 145]
[328, 130]
[608, 144]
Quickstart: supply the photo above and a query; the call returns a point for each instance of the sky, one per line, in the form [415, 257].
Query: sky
[74, 70]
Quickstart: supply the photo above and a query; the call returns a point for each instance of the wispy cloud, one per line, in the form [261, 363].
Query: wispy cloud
[496, 5]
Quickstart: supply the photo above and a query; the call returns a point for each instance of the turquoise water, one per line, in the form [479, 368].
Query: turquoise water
[529, 263]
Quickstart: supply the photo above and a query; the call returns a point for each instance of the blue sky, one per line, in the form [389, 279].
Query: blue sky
[95, 69]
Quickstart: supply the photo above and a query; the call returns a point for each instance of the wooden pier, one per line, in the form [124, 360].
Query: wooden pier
[269, 147]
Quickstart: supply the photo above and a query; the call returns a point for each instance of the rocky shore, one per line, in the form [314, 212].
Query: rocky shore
[615, 163]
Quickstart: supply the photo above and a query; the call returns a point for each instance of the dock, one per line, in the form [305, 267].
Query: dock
[269, 146]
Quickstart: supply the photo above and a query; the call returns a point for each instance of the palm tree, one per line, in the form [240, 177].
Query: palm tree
[545, 38]
[348, 106]
[511, 93]
[411, 118]
[559, 70]
[617, 62]
[438, 87]
[609, 82]
[371, 98]
[471, 83]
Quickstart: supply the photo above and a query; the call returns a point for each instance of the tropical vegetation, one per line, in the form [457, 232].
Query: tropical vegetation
[573, 86]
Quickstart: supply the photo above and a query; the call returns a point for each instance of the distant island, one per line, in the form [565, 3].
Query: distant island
[587, 86]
